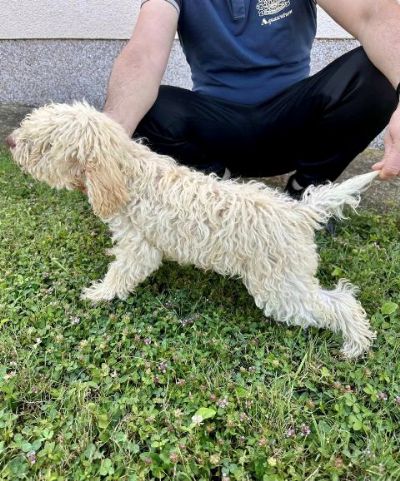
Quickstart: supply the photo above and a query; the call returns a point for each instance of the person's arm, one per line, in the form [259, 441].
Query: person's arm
[376, 24]
[138, 70]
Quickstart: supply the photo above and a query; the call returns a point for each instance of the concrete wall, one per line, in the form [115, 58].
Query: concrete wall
[38, 71]
[89, 19]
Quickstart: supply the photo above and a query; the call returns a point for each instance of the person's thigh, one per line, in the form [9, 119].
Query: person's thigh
[196, 129]
[321, 123]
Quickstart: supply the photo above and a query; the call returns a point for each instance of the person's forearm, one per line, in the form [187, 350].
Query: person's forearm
[132, 89]
[380, 38]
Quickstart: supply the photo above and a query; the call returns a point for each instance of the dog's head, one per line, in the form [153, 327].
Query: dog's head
[75, 147]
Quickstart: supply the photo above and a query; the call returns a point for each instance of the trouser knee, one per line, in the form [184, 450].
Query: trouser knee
[165, 126]
[375, 91]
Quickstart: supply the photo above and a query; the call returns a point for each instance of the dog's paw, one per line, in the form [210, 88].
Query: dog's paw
[357, 346]
[96, 293]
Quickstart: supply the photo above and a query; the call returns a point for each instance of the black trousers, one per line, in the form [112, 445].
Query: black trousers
[316, 127]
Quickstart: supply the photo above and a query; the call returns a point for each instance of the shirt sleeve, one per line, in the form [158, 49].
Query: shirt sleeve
[175, 3]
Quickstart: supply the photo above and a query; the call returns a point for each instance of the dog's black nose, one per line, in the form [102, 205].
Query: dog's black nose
[10, 142]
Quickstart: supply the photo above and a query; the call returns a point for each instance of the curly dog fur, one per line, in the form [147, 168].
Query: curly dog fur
[157, 209]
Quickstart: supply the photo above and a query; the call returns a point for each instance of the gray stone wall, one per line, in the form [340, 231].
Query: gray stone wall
[37, 71]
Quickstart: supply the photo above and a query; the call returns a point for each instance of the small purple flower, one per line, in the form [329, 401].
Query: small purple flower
[368, 452]
[147, 341]
[222, 403]
[397, 400]
[31, 457]
[305, 430]
[197, 419]
[382, 396]
[262, 442]
[186, 321]
[174, 457]
[243, 417]
[75, 320]
[162, 367]
[291, 432]
[189, 320]
[339, 463]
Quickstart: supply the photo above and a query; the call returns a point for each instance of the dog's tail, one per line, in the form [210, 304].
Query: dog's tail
[325, 201]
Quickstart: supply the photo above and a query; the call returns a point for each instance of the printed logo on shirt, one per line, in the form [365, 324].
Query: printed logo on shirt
[272, 7]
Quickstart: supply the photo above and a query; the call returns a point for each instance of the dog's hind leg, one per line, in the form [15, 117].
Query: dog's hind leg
[135, 260]
[336, 310]
[345, 313]
[302, 302]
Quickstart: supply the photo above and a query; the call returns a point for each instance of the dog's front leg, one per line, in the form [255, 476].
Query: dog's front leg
[135, 260]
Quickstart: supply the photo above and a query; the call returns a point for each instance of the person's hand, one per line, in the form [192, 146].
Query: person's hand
[389, 166]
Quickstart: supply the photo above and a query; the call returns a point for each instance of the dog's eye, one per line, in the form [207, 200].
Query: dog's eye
[24, 143]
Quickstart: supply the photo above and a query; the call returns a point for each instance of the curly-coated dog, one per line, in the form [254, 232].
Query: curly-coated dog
[157, 209]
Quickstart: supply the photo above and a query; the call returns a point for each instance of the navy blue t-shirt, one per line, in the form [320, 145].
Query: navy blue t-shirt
[246, 51]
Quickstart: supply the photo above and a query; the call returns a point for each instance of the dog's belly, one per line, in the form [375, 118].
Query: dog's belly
[198, 244]
[222, 244]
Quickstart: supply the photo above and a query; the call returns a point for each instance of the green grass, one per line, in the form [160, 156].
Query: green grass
[110, 392]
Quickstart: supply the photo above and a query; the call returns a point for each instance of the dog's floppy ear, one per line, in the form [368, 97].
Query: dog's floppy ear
[103, 153]
[106, 185]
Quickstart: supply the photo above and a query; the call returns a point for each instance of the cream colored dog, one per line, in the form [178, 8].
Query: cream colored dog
[157, 209]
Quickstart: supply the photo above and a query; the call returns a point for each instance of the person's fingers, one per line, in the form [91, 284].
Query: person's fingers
[378, 165]
[388, 147]
[389, 166]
